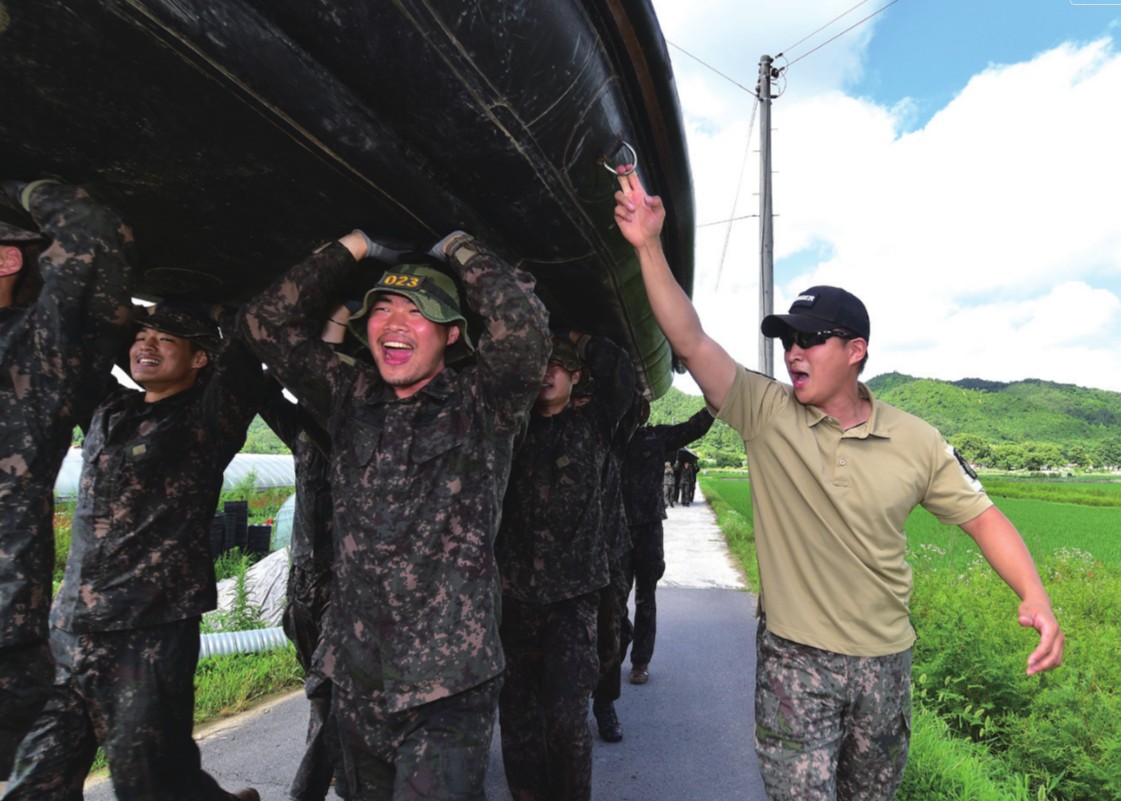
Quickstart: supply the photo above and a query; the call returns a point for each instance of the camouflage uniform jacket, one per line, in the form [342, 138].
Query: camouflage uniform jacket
[418, 481]
[553, 544]
[644, 465]
[310, 550]
[54, 355]
[151, 477]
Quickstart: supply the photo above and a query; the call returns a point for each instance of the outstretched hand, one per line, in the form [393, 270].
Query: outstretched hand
[1049, 653]
[639, 216]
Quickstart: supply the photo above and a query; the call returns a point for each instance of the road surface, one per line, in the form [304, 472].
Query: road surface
[686, 733]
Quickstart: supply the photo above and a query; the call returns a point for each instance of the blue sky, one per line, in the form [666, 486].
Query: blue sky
[929, 49]
[953, 163]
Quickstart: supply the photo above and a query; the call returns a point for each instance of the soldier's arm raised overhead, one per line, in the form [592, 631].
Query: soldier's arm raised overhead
[514, 345]
[284, 323]
[640, 218]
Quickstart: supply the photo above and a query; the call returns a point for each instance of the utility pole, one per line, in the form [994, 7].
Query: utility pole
[766, 227]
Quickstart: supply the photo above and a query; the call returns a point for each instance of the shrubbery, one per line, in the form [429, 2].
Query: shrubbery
[1061, 728]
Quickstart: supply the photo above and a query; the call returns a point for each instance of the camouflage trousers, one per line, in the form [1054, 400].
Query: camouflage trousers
[830, 726]
[131, 692]
[435, 752]
[613, 636]
[648, 560]
[551, 668]
[322, 759]
[25, 684]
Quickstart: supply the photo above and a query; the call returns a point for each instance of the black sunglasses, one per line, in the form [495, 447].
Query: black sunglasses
[806, 340]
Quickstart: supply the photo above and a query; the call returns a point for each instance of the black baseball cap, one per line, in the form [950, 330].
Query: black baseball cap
[820, 308]
[15, 225]
[188, 319]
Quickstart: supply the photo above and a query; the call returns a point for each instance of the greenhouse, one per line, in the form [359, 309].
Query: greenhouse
[272, 470]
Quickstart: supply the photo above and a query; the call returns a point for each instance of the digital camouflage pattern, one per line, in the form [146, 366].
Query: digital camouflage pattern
[56, 355]
[644, 464]
[830, 726]
[138, 576]
[614, 630]
[438, 750]
[644, 476]
[552, 667]
[151, 479]
[553, 543]
[309, 585]
[310, 551]
[417, 481]
[555, 552]
[132, 693]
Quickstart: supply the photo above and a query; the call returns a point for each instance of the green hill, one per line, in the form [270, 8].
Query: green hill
[1028, 424]
[1030, 410]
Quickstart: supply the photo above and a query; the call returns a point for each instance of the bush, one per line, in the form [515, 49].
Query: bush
[1060, 729]
[243, 614]
[941, 767]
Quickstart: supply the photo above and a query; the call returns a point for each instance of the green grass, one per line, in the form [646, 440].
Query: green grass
[1046, 526]
[227, 685]
[729, 495]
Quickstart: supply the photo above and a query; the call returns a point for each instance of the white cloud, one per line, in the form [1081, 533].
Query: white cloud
[985, 244]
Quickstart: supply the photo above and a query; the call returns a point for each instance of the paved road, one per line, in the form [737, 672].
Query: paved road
[687, 733]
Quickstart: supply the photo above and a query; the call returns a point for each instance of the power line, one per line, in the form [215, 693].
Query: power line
[856, 24]
[823, 27]
[729, 220]
[739, 186]
[709, 66]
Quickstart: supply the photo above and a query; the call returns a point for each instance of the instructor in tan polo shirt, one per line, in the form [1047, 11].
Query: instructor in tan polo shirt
[835, 473]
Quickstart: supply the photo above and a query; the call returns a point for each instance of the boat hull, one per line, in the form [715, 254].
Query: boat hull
[236, 136]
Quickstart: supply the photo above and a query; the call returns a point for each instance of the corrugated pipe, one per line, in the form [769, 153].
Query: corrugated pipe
[251, 641]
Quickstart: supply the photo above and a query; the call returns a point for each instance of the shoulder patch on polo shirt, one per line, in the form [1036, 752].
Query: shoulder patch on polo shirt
[970, 473]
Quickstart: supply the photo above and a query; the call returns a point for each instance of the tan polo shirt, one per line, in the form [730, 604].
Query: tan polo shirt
[830, 506]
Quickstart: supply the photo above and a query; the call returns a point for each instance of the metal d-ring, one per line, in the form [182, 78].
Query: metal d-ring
[631, 165]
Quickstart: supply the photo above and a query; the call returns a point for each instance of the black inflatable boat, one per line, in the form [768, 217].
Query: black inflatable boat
[236, 135]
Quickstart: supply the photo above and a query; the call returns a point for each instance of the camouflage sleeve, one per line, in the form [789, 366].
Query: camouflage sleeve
[283, 325]
[514, 347]
[614, 375]
[681, 434]
[234, 391]
[83, 312]
[280, 414]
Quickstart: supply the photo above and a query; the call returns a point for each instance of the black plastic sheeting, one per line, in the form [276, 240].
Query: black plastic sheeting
[238, 135]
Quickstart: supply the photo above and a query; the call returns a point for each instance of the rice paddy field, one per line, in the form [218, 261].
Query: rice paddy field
[1050, 514]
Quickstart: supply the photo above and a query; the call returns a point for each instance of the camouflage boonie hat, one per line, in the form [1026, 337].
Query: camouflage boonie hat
[183, 319]
[565, 354]
[432, 292]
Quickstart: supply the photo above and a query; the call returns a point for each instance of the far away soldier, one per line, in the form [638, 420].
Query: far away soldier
[688, 482]
[56, 354]
[553, 554]
[309, 585]
[125, 624]
[646, 509]
[420, 456]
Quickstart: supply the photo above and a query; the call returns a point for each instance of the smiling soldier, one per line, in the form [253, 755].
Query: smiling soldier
[421, 444]
[125, 624]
